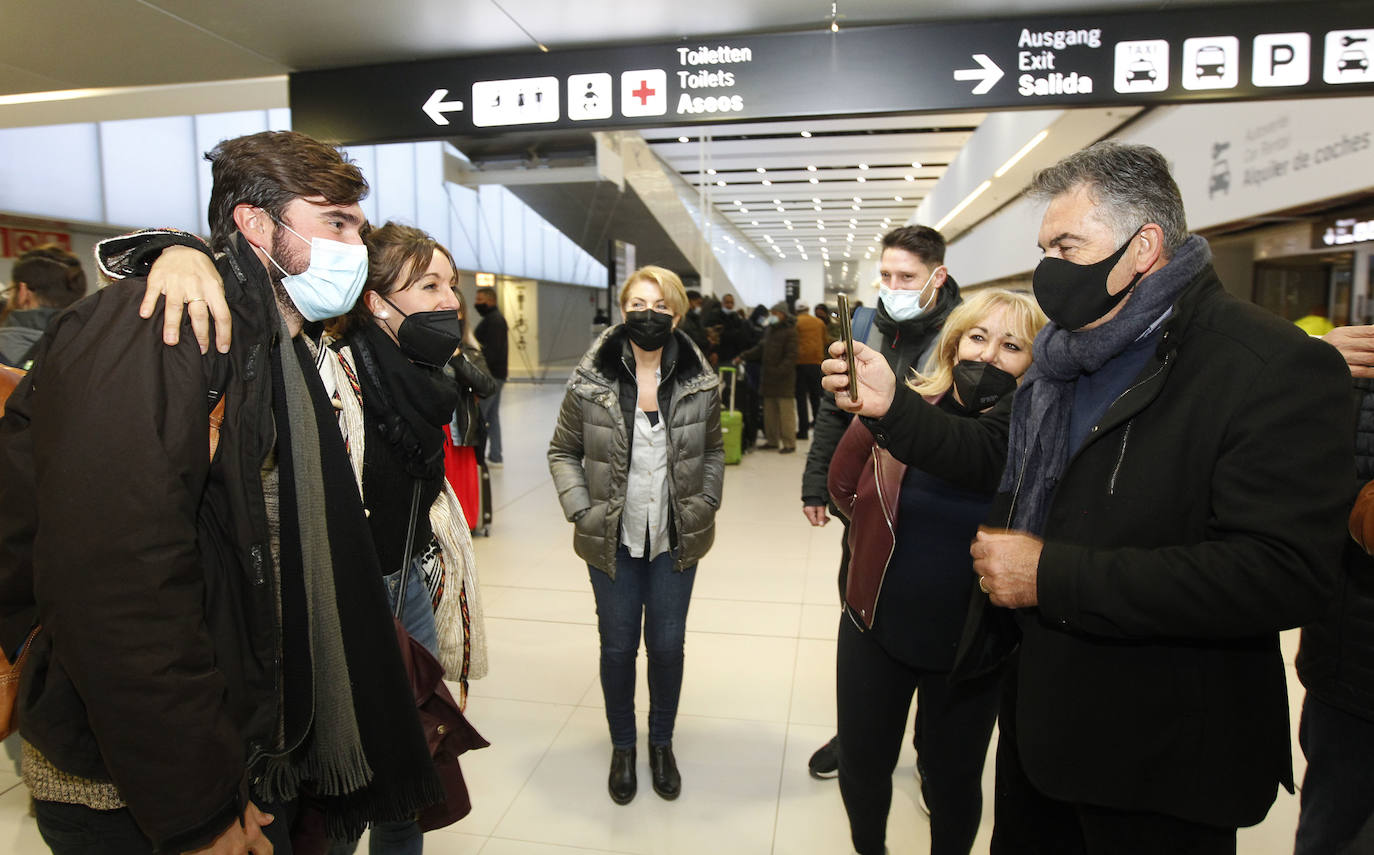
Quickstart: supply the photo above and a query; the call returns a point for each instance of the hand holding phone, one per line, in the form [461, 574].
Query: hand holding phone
[847, 334]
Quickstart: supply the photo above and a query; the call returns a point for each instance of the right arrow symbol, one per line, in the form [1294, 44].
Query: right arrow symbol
[989, 74]
[436, 107]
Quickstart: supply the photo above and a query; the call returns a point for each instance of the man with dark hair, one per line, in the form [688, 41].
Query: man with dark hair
[1173, 497]
[213, 640]
[691, 323]
[492, 334]
[44, 282]
[915, 295]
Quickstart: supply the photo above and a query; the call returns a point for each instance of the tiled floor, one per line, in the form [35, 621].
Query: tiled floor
[757, 700]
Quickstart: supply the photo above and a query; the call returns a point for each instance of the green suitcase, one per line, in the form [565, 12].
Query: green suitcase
[731, 423]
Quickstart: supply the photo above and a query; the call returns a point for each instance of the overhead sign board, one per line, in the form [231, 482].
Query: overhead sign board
[1231, 52]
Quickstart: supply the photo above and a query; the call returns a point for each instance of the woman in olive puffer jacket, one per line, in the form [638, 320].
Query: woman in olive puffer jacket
[638, 464]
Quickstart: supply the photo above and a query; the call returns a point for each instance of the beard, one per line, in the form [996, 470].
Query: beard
[289, 254]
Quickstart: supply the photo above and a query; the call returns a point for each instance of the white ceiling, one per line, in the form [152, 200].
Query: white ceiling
[70, 44]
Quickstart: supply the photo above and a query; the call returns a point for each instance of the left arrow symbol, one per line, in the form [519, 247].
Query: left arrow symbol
[989, 74]
[436, 107]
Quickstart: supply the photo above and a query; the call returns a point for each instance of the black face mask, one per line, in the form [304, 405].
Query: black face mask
[485, 309]
[429, 338]
[649, 329]
[1075, 295]
[981, 384]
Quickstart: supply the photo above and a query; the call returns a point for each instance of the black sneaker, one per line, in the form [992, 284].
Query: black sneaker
[825, 763]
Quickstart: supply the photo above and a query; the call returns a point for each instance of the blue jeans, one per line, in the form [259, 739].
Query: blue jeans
[387, 838]
[1338, 788]
[490, 409]
[417, 615]
[648, 593]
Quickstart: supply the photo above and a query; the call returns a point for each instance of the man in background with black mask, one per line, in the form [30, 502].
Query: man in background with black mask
[915, 295]
[1173, 498]
[492, 334]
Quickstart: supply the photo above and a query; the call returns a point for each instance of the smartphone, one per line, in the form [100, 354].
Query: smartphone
[847, 333]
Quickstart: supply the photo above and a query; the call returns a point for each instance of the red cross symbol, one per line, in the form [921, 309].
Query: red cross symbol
[643, 93]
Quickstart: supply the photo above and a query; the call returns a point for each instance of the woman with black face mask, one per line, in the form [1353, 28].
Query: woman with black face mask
[910, 576]
[386, 371]
[638, 464]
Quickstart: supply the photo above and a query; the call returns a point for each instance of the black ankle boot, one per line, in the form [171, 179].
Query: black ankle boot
[622, 782]
[663, 768]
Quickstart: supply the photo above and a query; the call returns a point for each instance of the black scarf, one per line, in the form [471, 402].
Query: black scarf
[408, 403]
[403, 780]
[1038, 445]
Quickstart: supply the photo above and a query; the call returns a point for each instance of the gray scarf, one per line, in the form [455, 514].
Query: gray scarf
[333, 761]
[1038, 444]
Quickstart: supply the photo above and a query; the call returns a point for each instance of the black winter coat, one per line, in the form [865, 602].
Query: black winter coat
[1336, 657]
[1203, 514]
[163, 605]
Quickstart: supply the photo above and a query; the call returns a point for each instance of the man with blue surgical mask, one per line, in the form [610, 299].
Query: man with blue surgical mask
[915, 295]
[215, 642]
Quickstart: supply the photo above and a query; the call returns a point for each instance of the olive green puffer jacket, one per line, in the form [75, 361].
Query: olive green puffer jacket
[589, 455]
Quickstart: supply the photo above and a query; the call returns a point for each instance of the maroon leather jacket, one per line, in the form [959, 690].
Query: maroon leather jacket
[865, 483]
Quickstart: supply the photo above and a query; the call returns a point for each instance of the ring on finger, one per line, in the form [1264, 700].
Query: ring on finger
[191, 300]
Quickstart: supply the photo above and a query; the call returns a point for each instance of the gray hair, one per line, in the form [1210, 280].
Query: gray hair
[1130, 184]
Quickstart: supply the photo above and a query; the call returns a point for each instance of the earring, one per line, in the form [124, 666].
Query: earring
[383, 314]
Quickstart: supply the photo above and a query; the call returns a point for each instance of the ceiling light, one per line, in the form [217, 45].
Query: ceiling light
[1025, 150]
[849, 238]
[753, 222]
[789, 227]
[768, 238]
[810, 168]
[806, 134]
[857, 199]
[760, 169]
[779, 209]
[682, 139]
[896, 198]
[720, 183]
[815, 181]
[710, 172]
[817, 207]
[815, 201]
[743, 210]
[910, 177]
[787, 222]
[738, 202]
[915, 164]
[854, 207]
[822, 240]
[962, 205]
[862, 179]
[767, 183]
[777, 201]
[863, 166]
[846, 255]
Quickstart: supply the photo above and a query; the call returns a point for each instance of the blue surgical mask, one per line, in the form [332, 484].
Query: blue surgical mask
[905, 304]
[331, 284]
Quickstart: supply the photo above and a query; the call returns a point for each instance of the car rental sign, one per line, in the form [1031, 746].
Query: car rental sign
[1274, 50]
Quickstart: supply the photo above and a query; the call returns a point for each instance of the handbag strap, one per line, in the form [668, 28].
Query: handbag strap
[410, 543]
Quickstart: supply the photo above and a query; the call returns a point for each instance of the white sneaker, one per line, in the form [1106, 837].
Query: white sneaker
[494, 464]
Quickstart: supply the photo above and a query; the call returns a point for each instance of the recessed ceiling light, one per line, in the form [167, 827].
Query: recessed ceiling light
[815, 181]
[738, 202]
[806, 134]
[720, 183]
[915, 164]
[810, 168]
[779, 209]
[759, 169]
[857, 199]
[682, 139]
[896, 198]
[767, 183]
[710, 172]
[777, 201]
[743, 210]
[817, 207]
[787, 222]
[822, 240]
[789, 227]
[854, 207]
[753, 222]
[815, 201]
[863, 166]
[910, 177]
[862, 179]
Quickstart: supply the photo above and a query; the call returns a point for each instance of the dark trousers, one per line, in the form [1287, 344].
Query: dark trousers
[808, 390]
[1027, 822]
[79, 830]
[751, 403]
[653, 595]
[1338, 788]
[874, 691]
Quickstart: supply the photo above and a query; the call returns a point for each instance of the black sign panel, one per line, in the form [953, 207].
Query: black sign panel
[1277, 50]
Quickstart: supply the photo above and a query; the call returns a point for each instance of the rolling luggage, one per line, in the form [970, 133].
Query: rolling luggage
[471, 482]
[732, 423]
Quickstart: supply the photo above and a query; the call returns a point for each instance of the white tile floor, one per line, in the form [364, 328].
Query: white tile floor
[758, 696]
